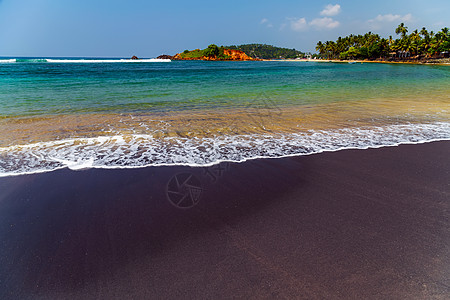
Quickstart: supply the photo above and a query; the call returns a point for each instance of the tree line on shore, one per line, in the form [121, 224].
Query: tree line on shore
[416, 45]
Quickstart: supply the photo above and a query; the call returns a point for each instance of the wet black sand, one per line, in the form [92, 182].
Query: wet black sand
[350, 224]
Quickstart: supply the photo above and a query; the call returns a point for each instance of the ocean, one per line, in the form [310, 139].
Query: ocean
[117, 113]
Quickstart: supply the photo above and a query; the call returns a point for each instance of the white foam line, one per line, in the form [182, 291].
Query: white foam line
[193, 165]
[77, 154]
[107, 60]
[51, 60]
[266, 157]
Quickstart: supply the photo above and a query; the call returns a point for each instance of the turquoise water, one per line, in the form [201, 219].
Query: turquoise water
[54, 88]
[181, 112]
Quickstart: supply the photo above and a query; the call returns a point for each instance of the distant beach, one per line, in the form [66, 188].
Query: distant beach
[425, 62]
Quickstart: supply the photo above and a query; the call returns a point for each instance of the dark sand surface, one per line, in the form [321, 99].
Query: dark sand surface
[351, 224]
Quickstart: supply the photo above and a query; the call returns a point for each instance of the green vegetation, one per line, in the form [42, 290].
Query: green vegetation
[212, 52]
[416, 45]
[192, 54]
[263, 51]
[221, 55]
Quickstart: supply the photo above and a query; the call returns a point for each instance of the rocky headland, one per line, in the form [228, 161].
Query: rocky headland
[212, 53]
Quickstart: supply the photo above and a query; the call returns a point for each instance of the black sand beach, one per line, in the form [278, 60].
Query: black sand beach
[352, 224]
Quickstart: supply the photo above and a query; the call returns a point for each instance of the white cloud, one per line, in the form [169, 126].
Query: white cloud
[331, 10]
[266, 22]
[319, 23]
[324, 23]
[392, 18]
[299, 24]
[379, 21]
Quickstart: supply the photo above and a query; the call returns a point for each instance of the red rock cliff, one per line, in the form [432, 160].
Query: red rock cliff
[236, 54]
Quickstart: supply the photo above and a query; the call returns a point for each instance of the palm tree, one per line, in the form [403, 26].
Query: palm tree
[415, 39]
[328, 48]
[331, 49]
[445, 36]
[424, 32]
[391, 41]
[384, 45]
[407, 45]
[321, 48]
[446, 44]
[424, 44]
[401, 29]
[439, 39]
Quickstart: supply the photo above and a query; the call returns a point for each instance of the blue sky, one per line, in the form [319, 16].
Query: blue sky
[119, 28]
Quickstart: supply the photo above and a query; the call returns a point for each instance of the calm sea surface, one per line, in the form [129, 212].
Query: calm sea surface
[118, 114]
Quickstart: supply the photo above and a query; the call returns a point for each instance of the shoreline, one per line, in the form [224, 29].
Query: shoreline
[438, 61]
[361, 61]
[50, 156]
[87, 167]
[351, 223]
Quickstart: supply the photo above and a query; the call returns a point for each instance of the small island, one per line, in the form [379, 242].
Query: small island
[237, 53]
[213, 52]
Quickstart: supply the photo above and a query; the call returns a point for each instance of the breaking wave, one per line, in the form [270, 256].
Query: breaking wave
[51, 60]
[133, 151]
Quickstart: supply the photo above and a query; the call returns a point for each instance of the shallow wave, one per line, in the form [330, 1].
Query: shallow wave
[135, 151]
[51, 60]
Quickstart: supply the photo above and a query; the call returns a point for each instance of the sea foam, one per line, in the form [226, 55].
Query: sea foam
[134, 151]
[52, 60]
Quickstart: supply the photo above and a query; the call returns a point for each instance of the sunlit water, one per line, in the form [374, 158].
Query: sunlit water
[117, 114]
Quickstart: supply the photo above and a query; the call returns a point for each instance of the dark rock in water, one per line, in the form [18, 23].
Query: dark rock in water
[165, 56]
[134, 57]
